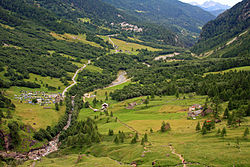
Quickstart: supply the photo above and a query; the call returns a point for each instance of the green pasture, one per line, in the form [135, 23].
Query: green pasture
[245, 68]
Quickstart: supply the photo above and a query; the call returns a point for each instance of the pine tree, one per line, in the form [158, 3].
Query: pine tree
[219, 131]
[152, 96]
[230, 119]
[57, 106]
[142, 141]
[111, 114]
[204, 130]
[86, 105]
[136, 136]
[146, 137]
[133, 141]
[121, 136]
[151, 130]
[163, 127]
[146, 102]
[177, 94]
[116, 140]
[226, 113]
[223, 132]
[94, 101]
[198, 127]
[246, 132]
[61, 102]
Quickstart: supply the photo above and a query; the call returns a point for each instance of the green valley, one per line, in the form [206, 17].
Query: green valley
[123, 83]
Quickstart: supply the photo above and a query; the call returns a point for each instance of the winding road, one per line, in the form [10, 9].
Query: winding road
[73, 79]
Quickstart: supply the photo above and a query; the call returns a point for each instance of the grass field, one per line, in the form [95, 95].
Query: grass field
[93, 68]
[36, 116]
[198, 150]
[74, 38]
[245, 68]
[128, 46]
[55, 82]
[132, 47]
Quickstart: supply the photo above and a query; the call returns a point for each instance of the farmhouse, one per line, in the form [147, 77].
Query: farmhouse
[195, 110]
[104, 106]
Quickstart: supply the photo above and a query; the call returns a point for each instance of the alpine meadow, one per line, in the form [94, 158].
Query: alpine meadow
[109, 83]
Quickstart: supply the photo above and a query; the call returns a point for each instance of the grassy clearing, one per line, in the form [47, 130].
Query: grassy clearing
[74, 38]
[93, 68]
[85, 20]
[100, 93]
[132, 47]
[37, 116]
[245, 68]
[55, 82]
[135, 39]
[11, 46]
[6, 26]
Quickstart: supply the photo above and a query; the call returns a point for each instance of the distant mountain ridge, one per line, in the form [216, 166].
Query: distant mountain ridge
[214, 8]
[172, 13]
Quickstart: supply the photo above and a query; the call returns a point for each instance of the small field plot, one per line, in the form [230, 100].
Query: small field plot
[37, 116]
[123, 45]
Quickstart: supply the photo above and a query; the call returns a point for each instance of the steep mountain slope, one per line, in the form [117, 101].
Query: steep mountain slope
[102, 18]
[214, 8]
[172, 13]
[224, 28]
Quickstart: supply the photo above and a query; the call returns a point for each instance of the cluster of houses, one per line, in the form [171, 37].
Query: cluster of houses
[130, 27]
[41, 97]
[197, 110]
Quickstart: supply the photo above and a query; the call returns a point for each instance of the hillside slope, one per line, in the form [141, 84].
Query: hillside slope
[102, 18]
[225, 27]
[171, 13]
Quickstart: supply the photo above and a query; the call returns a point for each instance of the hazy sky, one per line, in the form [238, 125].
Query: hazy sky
[227, 2]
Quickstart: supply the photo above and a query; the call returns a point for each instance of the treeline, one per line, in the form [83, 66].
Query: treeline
[231, 86]
[136, 90]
